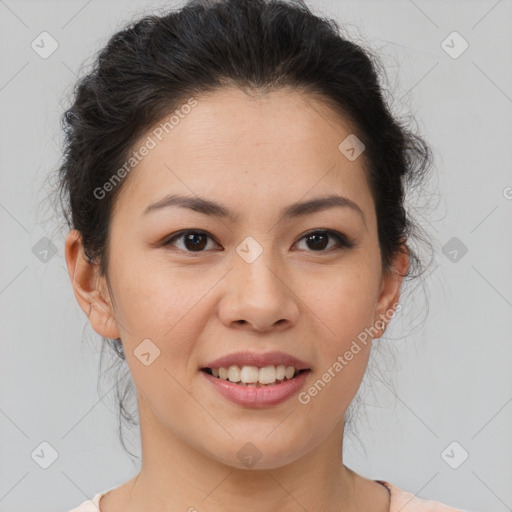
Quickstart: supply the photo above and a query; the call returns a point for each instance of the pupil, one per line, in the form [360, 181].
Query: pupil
[192, 237]
[315, 238]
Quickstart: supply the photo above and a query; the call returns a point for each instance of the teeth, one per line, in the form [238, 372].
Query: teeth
[267, 375]
[253, 376]
[249, 374]
[234, 374]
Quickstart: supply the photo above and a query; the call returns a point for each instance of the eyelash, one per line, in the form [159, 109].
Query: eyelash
[343, 241]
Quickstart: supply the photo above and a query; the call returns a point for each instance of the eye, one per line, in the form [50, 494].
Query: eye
[193, 240]
[318, 239]
[197, 240]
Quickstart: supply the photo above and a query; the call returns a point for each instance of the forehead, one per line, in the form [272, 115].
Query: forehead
[278, 146]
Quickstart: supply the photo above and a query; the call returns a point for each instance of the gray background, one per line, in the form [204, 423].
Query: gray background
[449, 379]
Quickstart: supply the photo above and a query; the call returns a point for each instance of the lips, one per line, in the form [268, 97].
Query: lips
[259, 360]
[255, 379]
[255, 395]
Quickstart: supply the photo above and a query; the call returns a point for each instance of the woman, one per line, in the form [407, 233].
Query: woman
[234, 184]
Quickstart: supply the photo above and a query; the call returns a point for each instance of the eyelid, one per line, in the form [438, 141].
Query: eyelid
[178, 234]
[344, 242]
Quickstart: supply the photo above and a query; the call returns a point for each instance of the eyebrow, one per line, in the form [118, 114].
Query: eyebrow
[212, 208]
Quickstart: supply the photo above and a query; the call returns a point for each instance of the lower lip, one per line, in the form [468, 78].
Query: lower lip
[258, 396]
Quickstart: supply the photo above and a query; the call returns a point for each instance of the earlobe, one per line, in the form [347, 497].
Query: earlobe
[88, 287]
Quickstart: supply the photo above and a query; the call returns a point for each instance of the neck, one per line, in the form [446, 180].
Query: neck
[176, 476]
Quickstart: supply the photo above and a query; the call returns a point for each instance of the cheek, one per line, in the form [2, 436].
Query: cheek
[153, 298]
[343, 305]
[333, 386]
[343, 312]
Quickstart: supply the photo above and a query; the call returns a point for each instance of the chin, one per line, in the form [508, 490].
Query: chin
[259, 453]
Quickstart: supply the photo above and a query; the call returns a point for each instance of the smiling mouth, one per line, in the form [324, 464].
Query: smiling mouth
[252, 376]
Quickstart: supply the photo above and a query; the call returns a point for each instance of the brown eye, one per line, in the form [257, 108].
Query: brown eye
[193, 240]
[317, 241]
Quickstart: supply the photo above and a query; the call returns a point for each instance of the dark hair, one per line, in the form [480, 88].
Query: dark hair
[157, 63]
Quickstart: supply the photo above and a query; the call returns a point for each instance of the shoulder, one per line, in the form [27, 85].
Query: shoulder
[400, 500]
[89, 505]
[404, 501]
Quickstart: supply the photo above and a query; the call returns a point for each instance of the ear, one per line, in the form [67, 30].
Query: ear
[390, 290]
[90, 288]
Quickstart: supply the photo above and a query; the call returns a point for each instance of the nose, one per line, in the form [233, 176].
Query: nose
[259, 296]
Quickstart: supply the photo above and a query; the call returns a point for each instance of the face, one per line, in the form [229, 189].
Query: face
[191, 283]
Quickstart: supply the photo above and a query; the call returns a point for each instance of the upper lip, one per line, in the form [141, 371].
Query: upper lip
[257, 359]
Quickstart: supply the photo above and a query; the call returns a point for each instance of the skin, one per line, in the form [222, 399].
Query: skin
[255, 155]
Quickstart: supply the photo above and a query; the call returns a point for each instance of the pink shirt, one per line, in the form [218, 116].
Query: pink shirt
[401, 501]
